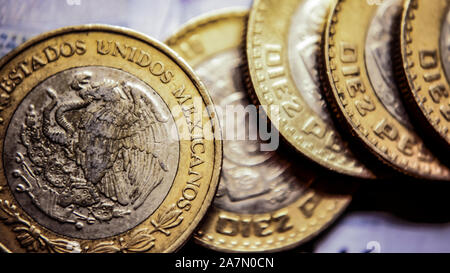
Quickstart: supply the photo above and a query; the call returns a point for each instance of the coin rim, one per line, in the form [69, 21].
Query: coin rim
[409, 89]
[344, 119]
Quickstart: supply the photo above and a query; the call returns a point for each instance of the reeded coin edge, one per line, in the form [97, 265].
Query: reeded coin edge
[304, 147]
[407, 79]
[343, 118]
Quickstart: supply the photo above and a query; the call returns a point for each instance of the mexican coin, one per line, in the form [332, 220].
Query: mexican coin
[103, 148]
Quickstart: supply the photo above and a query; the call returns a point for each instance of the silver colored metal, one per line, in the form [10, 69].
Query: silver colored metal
[252, 181]
[87, 152]
[445, 45]
[379, 61]
[304, 42]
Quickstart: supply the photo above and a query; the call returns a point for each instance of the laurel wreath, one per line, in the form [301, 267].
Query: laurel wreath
[31, 238]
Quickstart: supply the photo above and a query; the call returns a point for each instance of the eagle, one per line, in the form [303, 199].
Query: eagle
[115, 132]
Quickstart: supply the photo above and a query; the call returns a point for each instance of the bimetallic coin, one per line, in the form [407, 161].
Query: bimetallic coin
[363, 93]
[264, 201]
[103, 148]
[425, 69]
[283, 42]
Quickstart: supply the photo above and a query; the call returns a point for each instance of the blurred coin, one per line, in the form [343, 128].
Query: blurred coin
[425, 53]
[104, 149]
[283, 43]
[20, 20]
[363, 94]
[265, 202]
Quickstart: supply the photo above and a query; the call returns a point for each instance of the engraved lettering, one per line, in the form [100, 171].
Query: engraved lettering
[67, 50]
[280, 87]
[24, 68]
[355, 85]
[291, 107]
[195, 143]
[283, 222]
[51, 53]
[144, 59]
[103, 47]
[386, 129]
[246, 229]
[121, 50]
[189, 192]
[406, 145]
[365, 105]
[437, 91]
[261, 226]
[352, 70]
[132, 54]
[274, 61]
[310, 204]
[37, 62]
[180, 96]
[135, 55]
[348, 52]
[273, 55]
[15, 76]
[7, 85]
[431, 77]
[227, 225]
[167, 76]
[332, 142]
[157, 68]
[4, 100]
[428, 59]
[275, 72]
[314, 126]
[80, 47]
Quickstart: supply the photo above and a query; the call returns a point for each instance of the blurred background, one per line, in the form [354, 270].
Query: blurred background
[404, 215]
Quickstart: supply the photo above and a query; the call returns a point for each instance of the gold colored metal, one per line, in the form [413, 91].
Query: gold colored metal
[425, 67]
[103, 94]
[270, 60]
[355, 101]
[264, 203]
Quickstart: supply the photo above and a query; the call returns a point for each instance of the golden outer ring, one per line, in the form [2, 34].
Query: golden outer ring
[291, 124]
[425, 111]
[330, 206]
[169, 53]
[346, 113]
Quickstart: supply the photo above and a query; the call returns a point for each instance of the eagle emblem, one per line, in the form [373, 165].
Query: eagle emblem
[95, 156]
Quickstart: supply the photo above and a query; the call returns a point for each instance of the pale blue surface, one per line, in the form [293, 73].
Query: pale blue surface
[20, 20]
